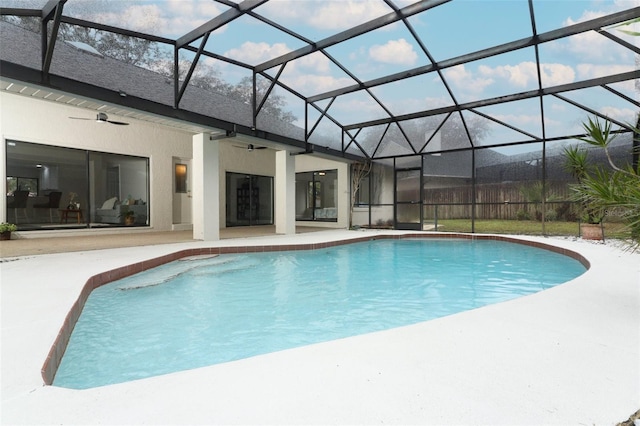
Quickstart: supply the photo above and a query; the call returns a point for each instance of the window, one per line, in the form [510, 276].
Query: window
[362, 194]
[22, 184]
[181, 178]
[316, 196]
[58, 177]
[123, 179]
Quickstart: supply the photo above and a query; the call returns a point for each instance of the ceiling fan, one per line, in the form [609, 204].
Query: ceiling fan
[250, 147]
[101, 117]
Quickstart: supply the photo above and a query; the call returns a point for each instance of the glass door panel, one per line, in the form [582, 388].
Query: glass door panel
[249, 200]
[317, 196]
[408, 200]
[263, 200]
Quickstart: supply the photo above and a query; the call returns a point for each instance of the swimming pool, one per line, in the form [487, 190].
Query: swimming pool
[190, 314]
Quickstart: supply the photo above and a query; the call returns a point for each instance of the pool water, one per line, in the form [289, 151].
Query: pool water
[195, 313]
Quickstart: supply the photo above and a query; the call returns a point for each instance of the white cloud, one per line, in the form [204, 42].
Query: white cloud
[587, 71]
[362, 107]
[255, 53]
[625, 115]
[556, 74]
[557, 107]
[394, 52]
[315, 61]
[556, 124]
[408, 104]
[460, 77]
[517, 75]
[357, 54]
[519, 120]
[525, 74]
[182, 17]
[166, 18]
[340, 15]
[432, 102]
[144, 18]
[404, 106]
[304, 74]
[606, 9]
[335, 15]
[587, 15]
[592, 46]
[521, 76]
[314, 83]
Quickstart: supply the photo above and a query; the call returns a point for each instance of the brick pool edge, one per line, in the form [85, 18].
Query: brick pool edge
[59, 346]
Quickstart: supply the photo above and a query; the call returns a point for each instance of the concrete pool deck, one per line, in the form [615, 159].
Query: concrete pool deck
[567, 355]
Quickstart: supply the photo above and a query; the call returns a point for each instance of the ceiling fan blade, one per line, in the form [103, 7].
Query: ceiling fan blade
[101, 117]
[250, 147]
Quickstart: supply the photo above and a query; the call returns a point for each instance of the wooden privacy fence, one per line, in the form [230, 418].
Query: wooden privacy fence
[500, 201]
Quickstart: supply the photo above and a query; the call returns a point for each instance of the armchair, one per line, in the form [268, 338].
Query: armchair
[52, 204]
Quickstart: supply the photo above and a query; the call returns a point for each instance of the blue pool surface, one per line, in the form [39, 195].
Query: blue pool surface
[194, 313]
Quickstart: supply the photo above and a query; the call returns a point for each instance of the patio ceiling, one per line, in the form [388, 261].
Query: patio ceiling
[401, 78]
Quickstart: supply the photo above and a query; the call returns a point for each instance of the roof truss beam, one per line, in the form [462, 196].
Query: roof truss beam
[323, 113]
[623, 96]
[594, 24]
[592, 111]
[148, 37]
[268, 92]
[622, 42]
[52, 10]
[121, 31]
[353, 32]
[16, 11]
[615, 78]
[192, 68]
[219, 21]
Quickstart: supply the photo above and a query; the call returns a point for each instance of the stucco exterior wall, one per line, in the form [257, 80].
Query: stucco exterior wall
[33, 120]
[30, 120]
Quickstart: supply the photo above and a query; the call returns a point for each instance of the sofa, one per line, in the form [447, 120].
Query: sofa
[113, 211]
[326, 213]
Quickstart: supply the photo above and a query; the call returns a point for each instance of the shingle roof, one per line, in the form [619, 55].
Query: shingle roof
[22, 47]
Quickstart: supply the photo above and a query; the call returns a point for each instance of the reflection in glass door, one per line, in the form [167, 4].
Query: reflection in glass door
[408, 202]
[249, 200]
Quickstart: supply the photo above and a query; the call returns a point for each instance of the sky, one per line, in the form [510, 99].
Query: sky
[447, 31]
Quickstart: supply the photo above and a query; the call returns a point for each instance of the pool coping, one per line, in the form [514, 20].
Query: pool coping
[565, 355]
[54, 357]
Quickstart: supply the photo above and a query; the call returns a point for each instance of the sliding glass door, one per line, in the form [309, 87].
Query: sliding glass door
[316, 196]
[123, 180]
[249, 199]
[52, 187]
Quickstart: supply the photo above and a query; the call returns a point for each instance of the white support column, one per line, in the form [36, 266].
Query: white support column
[206, 188]
[3, 172]
[285, 193]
